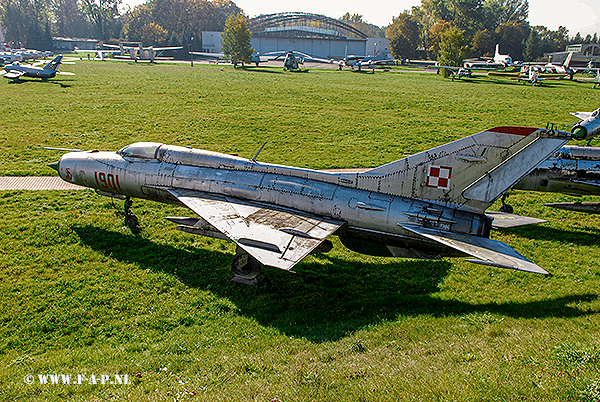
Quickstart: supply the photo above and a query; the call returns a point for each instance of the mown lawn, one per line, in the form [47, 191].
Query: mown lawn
[81, 295]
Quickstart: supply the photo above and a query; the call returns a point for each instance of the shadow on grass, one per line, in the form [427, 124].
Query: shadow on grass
[329, 298]
[251, 69]
[53, 82]
[582, 236]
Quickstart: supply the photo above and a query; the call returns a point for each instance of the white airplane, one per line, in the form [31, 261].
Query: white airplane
[99, 52]
[142, 53]
[499, 60]
[504, 59]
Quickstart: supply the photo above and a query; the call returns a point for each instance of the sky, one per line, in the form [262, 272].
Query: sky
[577, 15]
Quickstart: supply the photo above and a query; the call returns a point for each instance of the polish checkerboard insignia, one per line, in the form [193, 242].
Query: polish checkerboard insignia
[439, 177]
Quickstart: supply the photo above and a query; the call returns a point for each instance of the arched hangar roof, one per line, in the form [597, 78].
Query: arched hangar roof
[291, 20]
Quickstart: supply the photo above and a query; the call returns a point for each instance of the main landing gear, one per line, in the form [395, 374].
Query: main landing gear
[245, 268]
[505, 207]
[131, 221]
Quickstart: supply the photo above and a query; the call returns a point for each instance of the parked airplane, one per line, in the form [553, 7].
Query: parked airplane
[423, 206]
[141, 53]
[16, 71]
[572, 170]
[550, 68]
[499, 60]
[99, 52]
[456, 73]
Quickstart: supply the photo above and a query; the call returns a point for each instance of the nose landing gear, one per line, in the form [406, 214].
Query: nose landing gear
[131, 221]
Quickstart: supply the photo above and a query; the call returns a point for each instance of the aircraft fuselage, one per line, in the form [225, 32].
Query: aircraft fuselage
[369, 215]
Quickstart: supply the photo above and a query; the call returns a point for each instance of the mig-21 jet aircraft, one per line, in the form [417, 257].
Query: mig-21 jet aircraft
[426, 205]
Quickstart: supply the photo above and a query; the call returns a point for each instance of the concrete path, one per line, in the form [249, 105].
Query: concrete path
[36, 183]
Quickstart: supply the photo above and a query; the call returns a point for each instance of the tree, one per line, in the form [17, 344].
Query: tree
[434, 36]
[506, 11]
[235, 40]
[533, 46]
[404, 36]
[103, 14]
[511, 37]
[483, 43]
[357, 22]
[467, 15]
[70, 20]
[452, 49]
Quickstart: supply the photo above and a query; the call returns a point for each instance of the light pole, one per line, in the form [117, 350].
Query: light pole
[191, 50]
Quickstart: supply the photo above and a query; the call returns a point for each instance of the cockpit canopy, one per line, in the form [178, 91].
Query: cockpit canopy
[146, 150]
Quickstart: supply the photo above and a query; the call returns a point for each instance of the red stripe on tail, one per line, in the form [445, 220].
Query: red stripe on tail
[524, 131]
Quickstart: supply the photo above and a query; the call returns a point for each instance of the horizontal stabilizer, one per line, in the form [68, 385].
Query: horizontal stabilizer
[490, 252]
[582, 115]
[505, 220]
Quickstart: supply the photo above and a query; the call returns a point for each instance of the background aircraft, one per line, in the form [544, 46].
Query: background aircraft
[16, 71]
[423, 206]
[498, 61]
[99, 52]
[572, 170]
[456, 73]
[141, 53]
[551, 68]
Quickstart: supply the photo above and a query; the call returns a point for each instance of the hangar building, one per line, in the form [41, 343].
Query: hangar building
[314, 34]
[582, 54]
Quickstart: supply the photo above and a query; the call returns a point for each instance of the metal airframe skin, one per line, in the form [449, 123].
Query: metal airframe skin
[424, 206]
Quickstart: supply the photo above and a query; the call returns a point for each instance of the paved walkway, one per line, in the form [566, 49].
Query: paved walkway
[36, 183]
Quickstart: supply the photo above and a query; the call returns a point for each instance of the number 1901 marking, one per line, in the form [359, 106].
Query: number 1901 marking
[108, 181]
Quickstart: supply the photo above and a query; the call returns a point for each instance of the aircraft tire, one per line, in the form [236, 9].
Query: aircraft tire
[244, 266]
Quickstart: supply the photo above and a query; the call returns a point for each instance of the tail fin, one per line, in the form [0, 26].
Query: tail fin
[473, 171]
[497, 50]
[53, 65]
[567, 62]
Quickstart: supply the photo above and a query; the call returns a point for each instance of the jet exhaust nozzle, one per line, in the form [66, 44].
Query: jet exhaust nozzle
[53, 165]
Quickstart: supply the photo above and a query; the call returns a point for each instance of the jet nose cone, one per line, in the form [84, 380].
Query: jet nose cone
[53, 165]
[579, 132]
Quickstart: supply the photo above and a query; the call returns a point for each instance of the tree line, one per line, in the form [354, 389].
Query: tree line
[475, 25]
[473, 28]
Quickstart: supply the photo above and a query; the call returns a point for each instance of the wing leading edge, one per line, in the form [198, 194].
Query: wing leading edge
[12, 74]
[275, 236]
[490, 252]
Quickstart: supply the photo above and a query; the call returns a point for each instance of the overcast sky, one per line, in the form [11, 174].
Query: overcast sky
[576, 15]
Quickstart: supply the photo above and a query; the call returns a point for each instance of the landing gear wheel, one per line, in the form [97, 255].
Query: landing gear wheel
[505, 207]
[245, 268]
[131, 221]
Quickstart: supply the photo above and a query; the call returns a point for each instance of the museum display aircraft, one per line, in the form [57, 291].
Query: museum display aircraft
[498, 61]
[100, 53]
[139, 52]
[360, 62]
[550, 68]
[50, 70]
[293, 59]
[457, 73]
[426, 205]
[572, 170]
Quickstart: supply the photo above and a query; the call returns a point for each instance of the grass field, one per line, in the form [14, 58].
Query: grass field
[81, 295]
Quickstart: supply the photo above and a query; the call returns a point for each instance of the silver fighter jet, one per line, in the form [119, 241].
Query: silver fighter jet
[427, 205]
